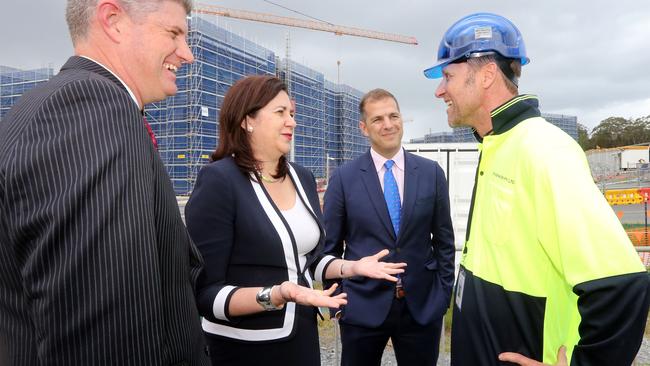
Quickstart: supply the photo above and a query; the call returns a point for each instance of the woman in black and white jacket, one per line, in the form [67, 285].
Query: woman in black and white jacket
[257, 221]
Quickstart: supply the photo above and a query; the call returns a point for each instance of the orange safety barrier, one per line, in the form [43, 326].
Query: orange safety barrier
[640, 238]
[626, 196]
[645, 193]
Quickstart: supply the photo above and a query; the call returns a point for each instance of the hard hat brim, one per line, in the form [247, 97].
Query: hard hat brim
[435, 72]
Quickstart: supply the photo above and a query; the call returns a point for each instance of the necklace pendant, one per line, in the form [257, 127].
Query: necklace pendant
[267, 179]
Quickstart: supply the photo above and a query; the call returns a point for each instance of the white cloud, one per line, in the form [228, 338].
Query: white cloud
[589, 59]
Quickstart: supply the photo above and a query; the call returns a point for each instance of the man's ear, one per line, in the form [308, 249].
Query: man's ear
[110, 16]
[489, 74]
[362, 127]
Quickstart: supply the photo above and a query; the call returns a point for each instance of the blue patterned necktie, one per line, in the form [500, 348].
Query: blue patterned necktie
[391, 195]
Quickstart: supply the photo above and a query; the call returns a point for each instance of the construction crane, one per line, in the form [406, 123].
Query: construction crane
[301, 23]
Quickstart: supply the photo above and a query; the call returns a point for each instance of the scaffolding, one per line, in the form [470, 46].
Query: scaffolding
[333, 135]
[199, 110]
[187, 124]
[344, 140]
[354, 143]
[15, 82]
[308, 91]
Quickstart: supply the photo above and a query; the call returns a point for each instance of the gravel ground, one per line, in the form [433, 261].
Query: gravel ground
[329, 350]
[643, 357]
[328, 357]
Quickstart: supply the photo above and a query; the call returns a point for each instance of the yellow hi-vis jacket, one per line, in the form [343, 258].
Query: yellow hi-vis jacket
[547, 262]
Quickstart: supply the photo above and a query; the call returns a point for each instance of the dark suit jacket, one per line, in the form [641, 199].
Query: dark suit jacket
[96, 266]
[247, 243]
[355, 213]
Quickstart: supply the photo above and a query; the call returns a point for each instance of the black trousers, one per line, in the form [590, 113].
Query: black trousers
[301, 349]
[414, 344]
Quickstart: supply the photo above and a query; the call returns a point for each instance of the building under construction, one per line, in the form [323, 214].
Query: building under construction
[186, 125]
[15, 82]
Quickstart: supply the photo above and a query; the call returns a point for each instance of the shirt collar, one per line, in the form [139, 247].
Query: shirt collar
[379, 160]
[517, 109]
[510, 113]
[118, 78]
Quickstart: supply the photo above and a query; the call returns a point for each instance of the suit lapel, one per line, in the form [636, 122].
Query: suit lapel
[371, 181]
[410, 189]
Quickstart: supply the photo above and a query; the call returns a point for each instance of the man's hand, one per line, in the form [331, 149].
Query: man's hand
[525, 361]
[371, 267]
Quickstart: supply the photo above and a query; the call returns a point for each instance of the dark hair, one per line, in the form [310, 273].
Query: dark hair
[245, 98]
[374, 94]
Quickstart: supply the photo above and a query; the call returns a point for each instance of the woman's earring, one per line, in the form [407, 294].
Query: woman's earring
[249, 129]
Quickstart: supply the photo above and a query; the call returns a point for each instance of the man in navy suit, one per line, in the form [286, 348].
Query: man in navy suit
[391, 199]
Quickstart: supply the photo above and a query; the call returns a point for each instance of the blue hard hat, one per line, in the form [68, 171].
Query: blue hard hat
[478, 33]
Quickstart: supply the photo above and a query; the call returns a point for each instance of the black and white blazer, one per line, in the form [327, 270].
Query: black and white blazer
[246, 242]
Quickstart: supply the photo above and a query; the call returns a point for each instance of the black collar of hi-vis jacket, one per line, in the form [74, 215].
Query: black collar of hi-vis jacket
[510, 113]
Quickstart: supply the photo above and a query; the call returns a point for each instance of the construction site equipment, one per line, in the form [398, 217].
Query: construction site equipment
[301, 23]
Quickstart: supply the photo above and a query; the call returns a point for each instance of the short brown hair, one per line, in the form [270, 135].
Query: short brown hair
[374, 94]
[245, 98]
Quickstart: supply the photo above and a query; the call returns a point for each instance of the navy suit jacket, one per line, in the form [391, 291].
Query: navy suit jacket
[357, 224]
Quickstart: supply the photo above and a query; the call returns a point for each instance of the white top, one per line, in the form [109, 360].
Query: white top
[304, 228]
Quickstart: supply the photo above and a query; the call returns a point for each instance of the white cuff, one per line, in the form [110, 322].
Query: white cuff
[319, 274]
[219, 304]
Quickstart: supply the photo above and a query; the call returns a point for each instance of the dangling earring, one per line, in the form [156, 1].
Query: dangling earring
[249, 129]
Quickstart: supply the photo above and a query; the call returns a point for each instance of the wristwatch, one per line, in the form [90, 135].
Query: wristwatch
[263, 298]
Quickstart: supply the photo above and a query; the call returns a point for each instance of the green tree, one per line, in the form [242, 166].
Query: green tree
[615, 132]
[609, 133]
[583, 137]
[618, 131]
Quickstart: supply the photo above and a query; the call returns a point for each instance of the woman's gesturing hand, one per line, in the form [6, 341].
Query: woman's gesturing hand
[290, 291]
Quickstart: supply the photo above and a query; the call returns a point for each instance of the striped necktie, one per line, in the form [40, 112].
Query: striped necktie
[391, 195]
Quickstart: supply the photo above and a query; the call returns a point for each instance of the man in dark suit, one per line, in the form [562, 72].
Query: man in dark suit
[96, 267]
[390, 199]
